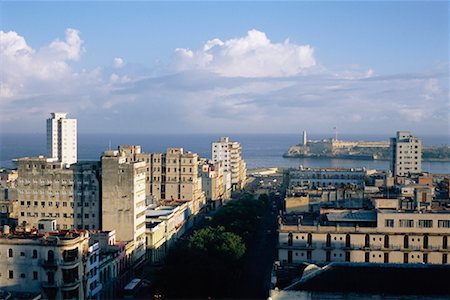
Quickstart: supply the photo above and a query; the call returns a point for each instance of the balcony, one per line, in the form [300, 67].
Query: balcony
[73, 284]
[48, 285]
[48, 264]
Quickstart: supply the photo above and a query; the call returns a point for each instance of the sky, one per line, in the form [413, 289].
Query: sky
[226, 67]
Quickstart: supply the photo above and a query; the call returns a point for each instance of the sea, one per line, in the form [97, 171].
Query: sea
[258, 150]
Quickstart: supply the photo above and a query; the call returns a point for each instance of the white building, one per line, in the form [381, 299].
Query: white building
[50, 265]
[406, 154]
[327, 177]
[62, 138]
[399, 237]
[230, 154]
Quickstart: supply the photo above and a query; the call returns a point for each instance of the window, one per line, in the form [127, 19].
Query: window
[367, 257]
[444, 242]
[406, 223]
[386, 257]
[34, 254]
[425, 258]
[425, 223]
[22, 275]
[444, 258]
[10, 274]
[405, 258]
[10, 253]
[389, 223]
[35, 275]
[22, 253]
[444, 223]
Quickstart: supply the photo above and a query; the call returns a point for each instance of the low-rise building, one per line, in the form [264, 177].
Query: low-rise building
[395, 237]
[327, 177]
[51, 264]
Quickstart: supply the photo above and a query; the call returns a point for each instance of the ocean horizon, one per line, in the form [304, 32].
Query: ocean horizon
[258, 150]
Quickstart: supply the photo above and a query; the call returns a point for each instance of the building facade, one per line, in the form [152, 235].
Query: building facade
[212, 176]
[70, 194]
[313, 178]
[399, 237]
[62, 138]
[406, 154]
[49, 265]
[123, 197]
[230, 154]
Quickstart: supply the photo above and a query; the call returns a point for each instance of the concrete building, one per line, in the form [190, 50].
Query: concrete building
[406, 154]
[165, 224]
[397, 237]
[327, 177]
[175, 176]
[212, 176]
[123, 197]
[62, 138]
[50, 265]
[230, 154]
[70, 194]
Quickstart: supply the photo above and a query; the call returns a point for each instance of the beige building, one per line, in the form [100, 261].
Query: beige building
[212, 176]
[406, 154]
[399, 237]
[50, 265]
[230, 154]
[123, 199]
[174, 176]
[70, 194]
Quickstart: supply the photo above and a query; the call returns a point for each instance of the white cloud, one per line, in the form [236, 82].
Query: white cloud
[23, 68]
[246, 84]
[251, 56]
[118, 62]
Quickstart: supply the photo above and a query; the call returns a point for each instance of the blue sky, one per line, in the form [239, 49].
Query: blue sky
[354, 65]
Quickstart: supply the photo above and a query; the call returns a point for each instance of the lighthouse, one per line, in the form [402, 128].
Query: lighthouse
[305, 141]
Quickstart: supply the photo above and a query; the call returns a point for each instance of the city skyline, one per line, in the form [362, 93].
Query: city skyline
[251, 67]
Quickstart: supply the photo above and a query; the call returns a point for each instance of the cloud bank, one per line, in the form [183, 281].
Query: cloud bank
[244, 84]
[251, 56]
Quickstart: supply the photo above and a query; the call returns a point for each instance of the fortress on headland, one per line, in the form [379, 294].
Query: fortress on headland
[334, 148]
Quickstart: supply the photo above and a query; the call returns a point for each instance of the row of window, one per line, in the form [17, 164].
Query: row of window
[22, 275]
[406, 240]
[408, 223]
[51, 215]
[50, 203]
[367, 256]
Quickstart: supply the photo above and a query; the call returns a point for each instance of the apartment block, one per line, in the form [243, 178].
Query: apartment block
[70, 194]
[62, 138]
[327, 177]
[175, 176]
[230, 154]
[395, 237]
[123, 198]
[212, 176]
[50, 266]
[406, 154]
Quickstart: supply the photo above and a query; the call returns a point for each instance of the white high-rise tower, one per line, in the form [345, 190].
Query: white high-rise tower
[62, 138]
[406, 154]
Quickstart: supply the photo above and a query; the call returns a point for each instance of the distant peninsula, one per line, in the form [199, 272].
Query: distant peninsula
[363, 150]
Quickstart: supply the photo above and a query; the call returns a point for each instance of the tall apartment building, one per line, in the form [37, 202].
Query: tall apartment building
[62, 138]
[51, 189]
[230, 154]
[212, 178]
[123, 198]
[406, 154]
[174, 176]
